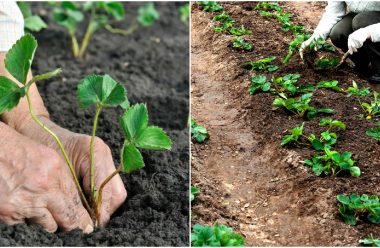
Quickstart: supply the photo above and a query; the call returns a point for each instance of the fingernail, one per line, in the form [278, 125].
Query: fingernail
[88, 229]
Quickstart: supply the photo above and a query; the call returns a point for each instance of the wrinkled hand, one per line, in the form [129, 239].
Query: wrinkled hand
[357, 39]
[36, 185]
[306, 44]
[77, 147]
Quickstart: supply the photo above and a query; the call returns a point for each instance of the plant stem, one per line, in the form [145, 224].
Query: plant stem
[92, 166]
[124, 32]
[87, 36]
[75, 45]
[63, 151]
[100, 192]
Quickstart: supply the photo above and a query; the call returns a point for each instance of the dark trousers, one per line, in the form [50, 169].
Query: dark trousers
[370, 52]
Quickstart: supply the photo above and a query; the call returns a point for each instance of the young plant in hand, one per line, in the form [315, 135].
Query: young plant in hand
[100, 91]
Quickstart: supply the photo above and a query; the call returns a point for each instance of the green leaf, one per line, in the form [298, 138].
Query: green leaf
[131, 158]
[96, 89]
[344, 199]
[134, 121]
[34, 23]
[116, 9]
[20, 57]
[147, 15]
[153, 138]
[10, 94]
[355, 171]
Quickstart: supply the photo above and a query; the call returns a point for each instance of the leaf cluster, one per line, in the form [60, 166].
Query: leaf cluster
[321, 44]
[326, 63]
[354, 207]
[332, 85]
[355, 91]
[210, 6]
[371, 109]
[184, 13]
[193, 192]
[32, 22]
[198, 132]
[215, 236]
[374, 132]
[238, 31]
[295, 45]
[226, 22]
[370, 241]
[241, 43]
[262, 64]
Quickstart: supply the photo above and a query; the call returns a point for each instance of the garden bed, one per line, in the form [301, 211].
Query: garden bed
[153, 65]
[246, 179]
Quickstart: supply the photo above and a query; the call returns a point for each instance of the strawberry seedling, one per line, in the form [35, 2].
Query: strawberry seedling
[239, 31]
[295, 45]
[241, 43]
[193, 192]
[300, 107]
[216, 236]
[198, 132]
[332, 85]
[286, 83]
[333, 162]
[184, 13]
[355, 91]
[32, 23]
[371, 109]
[294, 135]
[321, 44]
[272, 6]
[374, 132]
[95, 90]
[259, 83]
[210, 6]
[355, 207]
[370, 240]
[262, 64]
[226, 22]
[332, 123]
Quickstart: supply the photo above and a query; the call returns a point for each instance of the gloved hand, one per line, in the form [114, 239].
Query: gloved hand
[77, 146]
[307, 43]
[36, 185]
[357, 39]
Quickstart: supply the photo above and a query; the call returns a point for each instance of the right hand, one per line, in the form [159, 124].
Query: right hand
[35, 184]
[306, 44]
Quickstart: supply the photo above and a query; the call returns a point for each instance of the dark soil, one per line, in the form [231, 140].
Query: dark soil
[247, 180]
[153, 65]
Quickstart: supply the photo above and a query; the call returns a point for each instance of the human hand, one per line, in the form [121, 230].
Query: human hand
[77, 146]
[307, 43]
[35, 184]
[357, 39]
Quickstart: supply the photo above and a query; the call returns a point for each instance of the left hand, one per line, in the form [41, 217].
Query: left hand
[77, 146]
[357, 39]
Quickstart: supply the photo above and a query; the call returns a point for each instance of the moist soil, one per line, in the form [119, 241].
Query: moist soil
[246, 179]
[153, 65]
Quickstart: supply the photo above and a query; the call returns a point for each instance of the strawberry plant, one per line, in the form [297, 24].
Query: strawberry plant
[268, 6]
[354, 207]
[374, 132]
[32, 22]
[193, 192]
[332, 123]
[241, 43]
[295, 45]
[294, 135]
[94, 90]
[370, 240]
[286, 83]
[325, 63]
[262, 64]
[259, 83]
[240, 31]
[333, 162]
[300, 107]
[184, 13]
[210, 6]
[332, 85]
[198, 132]
[216, 236]
[321, 44]
[355, 91]
[226, 22]
[371, 109]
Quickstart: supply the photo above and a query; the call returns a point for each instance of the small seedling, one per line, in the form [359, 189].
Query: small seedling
[370, 241]
[184, 13]
[225, 20]
[216, 236]
[374, 132]
[198, 132]
[210, 6]
[332, 85]
[354, 207]
[32, 22]
[240, 31]
[259, 83]
[241, 43]
[94, 90]
[295, 45]
[262, 64]
[193, 192]
[294, 135]
[333, 162]
[300, 107]
[326, 63]
[321, 44]
[355, 91]
[268, 6]
[371, 109]
[332, 123]
[286, 83]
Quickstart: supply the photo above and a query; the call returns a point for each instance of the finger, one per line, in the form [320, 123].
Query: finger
[45, 219]
[119, 194]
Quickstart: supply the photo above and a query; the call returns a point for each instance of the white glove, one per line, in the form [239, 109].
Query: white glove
[307, 43]
[357, 39]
